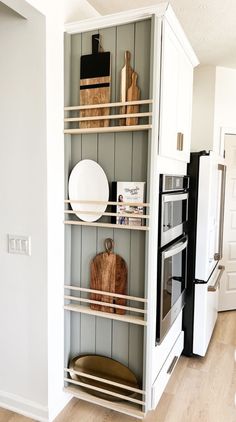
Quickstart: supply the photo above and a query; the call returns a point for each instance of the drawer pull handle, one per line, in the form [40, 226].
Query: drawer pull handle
[215, 287]
[172, 365]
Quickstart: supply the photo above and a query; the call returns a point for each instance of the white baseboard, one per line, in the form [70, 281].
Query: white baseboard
[23, 406]
[58, 406]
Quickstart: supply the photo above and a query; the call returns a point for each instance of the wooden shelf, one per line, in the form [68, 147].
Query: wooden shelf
[107, 225]
[132, 319]
[125, 408]
[108, 129]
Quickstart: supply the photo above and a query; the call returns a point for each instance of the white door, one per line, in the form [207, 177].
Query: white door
[228, 282]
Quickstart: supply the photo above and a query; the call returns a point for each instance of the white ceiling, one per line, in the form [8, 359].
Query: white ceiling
[209, 24]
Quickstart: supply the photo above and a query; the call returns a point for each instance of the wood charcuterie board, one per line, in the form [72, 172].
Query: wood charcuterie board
[108, 272]
[126, 74]
[133, 94]
[95, 84]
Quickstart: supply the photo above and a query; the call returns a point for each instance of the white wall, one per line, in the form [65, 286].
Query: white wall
[225, 101]
[203, 107]
[23, 190]
[36, 288]
[55, 187]
[214, 106]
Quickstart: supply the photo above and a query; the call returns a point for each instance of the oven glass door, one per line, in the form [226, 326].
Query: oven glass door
[171, 285]
[174, 216]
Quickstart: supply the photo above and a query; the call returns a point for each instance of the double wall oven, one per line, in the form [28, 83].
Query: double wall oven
[172, 251]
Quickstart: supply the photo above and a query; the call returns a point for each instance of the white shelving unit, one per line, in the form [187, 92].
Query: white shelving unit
[125, 153]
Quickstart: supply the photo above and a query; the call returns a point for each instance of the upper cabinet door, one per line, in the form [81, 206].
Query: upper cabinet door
[175, 98]
[184, 101]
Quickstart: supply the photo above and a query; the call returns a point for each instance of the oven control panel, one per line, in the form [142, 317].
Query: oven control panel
[170, 183]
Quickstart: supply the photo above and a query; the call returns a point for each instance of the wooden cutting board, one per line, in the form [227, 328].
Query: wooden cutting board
[126, 73]
[133, 94]
[95, 84]
[108, 273]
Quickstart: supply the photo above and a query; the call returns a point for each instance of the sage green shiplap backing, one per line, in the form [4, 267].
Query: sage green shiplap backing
[123, 156]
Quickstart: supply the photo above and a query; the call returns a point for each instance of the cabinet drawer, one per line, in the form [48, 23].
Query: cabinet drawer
[166, 371]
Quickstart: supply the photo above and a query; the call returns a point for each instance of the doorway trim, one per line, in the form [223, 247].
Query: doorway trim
[225, 131]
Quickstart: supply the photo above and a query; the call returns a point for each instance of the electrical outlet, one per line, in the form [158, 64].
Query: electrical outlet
[19, 244]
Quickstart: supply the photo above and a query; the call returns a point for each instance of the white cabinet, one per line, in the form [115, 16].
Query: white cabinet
[175, 98]
[166, 371]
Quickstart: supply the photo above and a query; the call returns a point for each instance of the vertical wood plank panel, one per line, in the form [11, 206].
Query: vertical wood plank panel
[125, 41]
[136, 351]
[120, 343]
[89, 234]
[75, 68]
[108, 40]
[67, 161]
[88, 323]
[140, 156]
[75, 157]
[123, 172]
[142, 55]
[139, 173]
[106, 160]
[123, 157]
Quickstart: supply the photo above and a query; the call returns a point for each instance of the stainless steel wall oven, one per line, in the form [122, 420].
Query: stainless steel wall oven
[172, 251]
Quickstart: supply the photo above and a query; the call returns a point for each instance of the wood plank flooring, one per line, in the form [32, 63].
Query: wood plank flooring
[200, 390]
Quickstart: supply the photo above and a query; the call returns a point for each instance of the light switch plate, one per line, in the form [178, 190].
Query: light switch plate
[19, 244]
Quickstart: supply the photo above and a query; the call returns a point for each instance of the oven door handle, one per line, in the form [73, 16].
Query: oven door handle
[171, 198]
[177, 249]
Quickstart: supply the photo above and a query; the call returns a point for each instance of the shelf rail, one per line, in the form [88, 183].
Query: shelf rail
[102, 390]
[131, 124]
[105, 105]
[128, 215]
[133, 319]
[127, 408]
[105, 381]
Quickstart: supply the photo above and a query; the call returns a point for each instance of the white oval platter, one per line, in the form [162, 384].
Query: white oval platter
[88, 182]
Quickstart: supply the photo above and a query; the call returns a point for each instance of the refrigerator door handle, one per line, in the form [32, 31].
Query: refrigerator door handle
[218, 255]
[215, 287]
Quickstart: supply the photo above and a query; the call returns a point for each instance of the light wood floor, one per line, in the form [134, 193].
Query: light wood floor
[200, 390]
